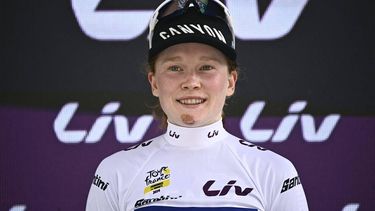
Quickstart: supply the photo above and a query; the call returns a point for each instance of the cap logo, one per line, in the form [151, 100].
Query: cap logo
[201, 3]
[192, 29]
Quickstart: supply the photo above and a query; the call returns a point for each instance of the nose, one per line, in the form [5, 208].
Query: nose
[191, 81]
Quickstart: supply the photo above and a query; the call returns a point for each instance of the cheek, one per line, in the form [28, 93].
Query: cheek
[219, 84]
[166, 90]
[219, 89]
[166, 85]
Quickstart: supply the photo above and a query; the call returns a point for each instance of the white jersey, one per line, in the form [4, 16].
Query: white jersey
[202, 168]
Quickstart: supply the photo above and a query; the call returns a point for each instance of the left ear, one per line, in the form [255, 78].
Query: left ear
[232, 79]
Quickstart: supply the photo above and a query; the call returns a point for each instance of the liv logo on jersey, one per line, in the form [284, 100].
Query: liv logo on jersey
[174, 134]
[157, 179]
[144, 144]
[248, 144]
[213, 133]
[208, 191]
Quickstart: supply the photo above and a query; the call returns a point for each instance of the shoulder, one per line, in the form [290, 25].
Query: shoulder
[273, 173]
[132, 157]
[259, 159]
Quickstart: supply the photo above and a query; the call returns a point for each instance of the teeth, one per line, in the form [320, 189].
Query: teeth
[191, 101]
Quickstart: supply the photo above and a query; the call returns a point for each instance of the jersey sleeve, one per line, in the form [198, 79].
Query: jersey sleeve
[288, 193]
[103, 194]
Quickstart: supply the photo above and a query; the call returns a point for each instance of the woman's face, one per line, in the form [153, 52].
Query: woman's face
[192, 81]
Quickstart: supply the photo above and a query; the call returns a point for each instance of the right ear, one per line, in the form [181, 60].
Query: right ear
[153, 83]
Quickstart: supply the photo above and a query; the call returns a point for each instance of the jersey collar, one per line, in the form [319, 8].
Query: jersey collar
[195, 137]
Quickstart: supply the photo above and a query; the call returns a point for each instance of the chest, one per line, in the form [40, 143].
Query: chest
[211, 179]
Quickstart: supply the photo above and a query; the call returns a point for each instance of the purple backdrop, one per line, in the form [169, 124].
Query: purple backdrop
[42, 173]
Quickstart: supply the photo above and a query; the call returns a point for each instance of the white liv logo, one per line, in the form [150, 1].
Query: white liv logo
[351, 207]
[123, 133]
[18, 208]
[309, 132]
[277, 21]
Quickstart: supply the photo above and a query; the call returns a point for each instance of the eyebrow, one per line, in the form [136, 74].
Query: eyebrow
[173, 58]
[210, 58]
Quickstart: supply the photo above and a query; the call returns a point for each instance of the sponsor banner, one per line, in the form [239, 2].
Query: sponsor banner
[41, 172]
[120, 24]
[249, 125]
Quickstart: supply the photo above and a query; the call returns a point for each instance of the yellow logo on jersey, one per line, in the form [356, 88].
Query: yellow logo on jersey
[157, 179]
[157, 186]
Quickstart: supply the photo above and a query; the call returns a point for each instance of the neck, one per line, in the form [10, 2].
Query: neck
[195, 137]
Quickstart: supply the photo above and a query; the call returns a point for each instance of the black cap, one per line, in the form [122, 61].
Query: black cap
[192, 26]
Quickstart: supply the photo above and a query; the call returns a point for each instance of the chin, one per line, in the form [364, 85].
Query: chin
[189, 120]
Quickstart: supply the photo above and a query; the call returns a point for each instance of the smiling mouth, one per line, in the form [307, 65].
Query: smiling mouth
[191, 101]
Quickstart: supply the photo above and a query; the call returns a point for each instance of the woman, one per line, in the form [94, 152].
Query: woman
[196, 164]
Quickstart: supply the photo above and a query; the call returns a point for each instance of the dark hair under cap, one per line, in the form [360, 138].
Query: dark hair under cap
[192, 26]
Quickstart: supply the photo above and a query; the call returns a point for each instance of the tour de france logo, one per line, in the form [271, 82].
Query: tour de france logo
[157, 179]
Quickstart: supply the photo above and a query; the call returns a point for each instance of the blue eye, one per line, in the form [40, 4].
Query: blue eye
[175, 68]
[206, 67]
